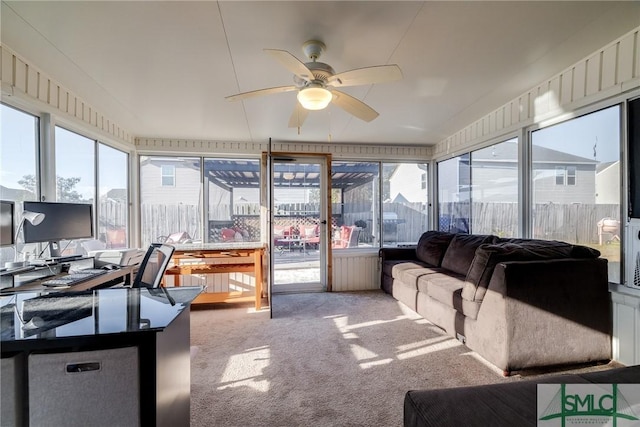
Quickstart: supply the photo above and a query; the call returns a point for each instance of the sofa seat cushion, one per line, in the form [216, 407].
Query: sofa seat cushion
[432, 246]
[393, 268]
[489, 255]
[447, 289]
[411, 276]
[461, 251]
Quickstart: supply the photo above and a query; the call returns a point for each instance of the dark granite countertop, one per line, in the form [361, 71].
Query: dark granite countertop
[28, 316]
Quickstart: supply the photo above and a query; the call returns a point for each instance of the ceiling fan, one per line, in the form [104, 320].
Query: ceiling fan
[317, 83]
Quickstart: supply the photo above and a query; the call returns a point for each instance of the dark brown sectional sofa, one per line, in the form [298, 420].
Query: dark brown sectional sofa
[518, 303]
[510, 404]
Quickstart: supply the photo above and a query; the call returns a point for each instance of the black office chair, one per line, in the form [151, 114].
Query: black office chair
[153, 266]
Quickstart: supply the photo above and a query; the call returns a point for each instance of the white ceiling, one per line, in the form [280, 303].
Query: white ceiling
[162, 69]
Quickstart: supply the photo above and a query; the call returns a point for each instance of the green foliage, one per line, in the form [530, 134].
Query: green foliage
[64, 187]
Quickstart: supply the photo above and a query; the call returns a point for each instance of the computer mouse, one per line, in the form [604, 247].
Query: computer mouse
[35, 323]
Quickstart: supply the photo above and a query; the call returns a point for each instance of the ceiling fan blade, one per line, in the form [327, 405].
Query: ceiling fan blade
[298, 116]
[366, 76]
[260, 92]
[354, 106]
[291, 63]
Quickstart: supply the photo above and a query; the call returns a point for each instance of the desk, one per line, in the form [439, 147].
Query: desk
[94, 326]
[95, 282]
[202, 260]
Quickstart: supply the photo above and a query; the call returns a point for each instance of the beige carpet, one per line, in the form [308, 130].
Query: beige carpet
[325, 359]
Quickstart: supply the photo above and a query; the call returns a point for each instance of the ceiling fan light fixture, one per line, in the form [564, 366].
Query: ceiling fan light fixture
[314, 98]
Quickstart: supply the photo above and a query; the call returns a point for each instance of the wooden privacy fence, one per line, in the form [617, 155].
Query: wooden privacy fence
[577, 222]
[164, 220]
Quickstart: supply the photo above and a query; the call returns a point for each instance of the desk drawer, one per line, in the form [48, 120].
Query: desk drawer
[85, 388]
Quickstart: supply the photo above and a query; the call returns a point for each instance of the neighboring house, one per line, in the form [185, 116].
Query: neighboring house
[607, 177]
[170, 181]
[495, 175]
[118, 194]
[19, 194]
[408, 184]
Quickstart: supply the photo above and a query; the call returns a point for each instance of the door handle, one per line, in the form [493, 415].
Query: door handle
[324, 221]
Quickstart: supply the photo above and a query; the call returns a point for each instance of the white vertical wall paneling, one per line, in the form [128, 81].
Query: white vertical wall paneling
[20, 76]
[609, 66]
[625, 64]
[347, 151]
[626, 330]
[579, 81]
[32, 81]
[355, 271]
[219, 282]
[594, 73]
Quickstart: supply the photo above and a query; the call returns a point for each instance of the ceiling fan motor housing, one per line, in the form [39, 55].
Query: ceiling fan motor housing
[321, 73]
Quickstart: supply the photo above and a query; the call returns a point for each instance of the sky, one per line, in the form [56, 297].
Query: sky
[578, 136]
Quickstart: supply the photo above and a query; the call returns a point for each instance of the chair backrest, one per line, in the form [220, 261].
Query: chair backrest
[353, 237]
[153, 266]
[348, 237]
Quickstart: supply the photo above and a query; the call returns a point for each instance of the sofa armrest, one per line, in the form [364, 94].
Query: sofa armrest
[547, 312]
[391, 254]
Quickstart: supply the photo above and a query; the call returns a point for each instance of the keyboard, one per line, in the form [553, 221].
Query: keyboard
[74, 278]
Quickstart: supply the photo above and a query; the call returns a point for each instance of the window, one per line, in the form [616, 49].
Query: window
[454, 193]
[575, 184]
[560, 173]
[571, 175]
[113, 197]
[168, 175]
[75, 167]
[355, 193]
[91, 172]
[405, 203]
[170, 212]
[232, 187]
[18, 165]
[494, 189]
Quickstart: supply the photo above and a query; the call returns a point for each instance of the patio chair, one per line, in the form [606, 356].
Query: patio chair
[181, 237]
[282, 236]
[348, 237]
[310, 235]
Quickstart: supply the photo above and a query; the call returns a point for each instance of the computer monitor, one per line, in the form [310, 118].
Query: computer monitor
[62, 221]
[7, 223]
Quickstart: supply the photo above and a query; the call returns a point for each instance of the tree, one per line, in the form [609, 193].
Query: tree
[64, 187]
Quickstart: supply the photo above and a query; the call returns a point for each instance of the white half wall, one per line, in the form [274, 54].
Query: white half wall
[355, 270]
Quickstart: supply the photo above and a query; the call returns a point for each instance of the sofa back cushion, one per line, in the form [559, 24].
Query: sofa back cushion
[489, 255]
[550, 247]
[432, 246]
[461, 251]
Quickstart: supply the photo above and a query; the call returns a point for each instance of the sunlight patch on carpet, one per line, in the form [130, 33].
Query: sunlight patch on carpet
[247, 370]
[423, 343]
[374, 363]
[342, 323]
[429, 349]
[361, 353]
